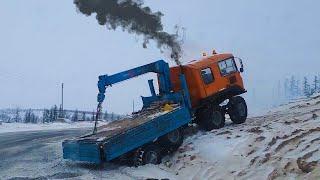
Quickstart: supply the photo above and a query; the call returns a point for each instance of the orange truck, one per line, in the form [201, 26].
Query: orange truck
[212, 81]
[202, 91]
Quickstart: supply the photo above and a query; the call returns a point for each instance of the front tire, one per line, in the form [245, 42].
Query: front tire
[237, 109]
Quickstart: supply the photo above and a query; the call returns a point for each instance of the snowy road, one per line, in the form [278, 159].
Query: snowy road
[26, 148]
[26, 141]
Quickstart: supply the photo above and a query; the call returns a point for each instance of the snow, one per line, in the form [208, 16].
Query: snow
[249, 151]
[147, 171]
[279, 144]
[110, 128]
[20, 127]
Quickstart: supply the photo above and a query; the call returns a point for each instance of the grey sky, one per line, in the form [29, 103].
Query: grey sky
[44, 43]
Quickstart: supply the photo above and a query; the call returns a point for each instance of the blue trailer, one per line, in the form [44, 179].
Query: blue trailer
[146, 135]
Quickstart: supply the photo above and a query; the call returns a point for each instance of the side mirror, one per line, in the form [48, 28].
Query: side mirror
[241, 64]
[241, 70]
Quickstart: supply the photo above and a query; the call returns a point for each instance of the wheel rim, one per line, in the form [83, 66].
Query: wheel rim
[151, 157]
[174, 136]
[217, 118]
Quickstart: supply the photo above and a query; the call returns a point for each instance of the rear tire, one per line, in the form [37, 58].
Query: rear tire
[136, 159]
[173, 140]
[211, 118]
[150, 154]
[237, 109]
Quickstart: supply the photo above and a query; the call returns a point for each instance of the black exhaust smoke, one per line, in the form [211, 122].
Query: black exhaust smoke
[131, 16]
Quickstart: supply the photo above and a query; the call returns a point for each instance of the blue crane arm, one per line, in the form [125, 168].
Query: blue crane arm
[160, 67]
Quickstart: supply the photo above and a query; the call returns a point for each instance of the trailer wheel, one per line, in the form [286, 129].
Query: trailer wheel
[237, 110]
[137, 158]
[211, 118]
[149, 154]
[173, 140]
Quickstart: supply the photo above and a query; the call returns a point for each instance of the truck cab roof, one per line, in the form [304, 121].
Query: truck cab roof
[208, 60]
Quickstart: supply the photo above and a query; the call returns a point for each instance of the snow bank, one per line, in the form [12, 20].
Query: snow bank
[283, 143]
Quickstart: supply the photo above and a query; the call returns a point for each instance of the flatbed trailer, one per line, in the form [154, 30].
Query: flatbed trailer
[123, 136]
[157, 124]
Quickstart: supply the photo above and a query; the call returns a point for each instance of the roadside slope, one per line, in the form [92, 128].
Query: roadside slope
[283, 143]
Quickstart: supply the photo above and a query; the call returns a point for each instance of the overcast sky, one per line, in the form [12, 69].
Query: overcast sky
[45, 43]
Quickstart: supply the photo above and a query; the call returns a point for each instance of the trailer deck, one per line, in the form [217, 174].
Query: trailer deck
[114, 128]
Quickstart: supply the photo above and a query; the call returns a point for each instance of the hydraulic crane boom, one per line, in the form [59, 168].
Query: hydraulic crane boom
[160, 67]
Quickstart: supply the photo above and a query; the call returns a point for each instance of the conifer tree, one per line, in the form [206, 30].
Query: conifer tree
[306, 87]
[75, 116]
[46, 116]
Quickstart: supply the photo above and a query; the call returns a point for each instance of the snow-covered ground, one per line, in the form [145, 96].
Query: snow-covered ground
[19, 127]
[281, 144]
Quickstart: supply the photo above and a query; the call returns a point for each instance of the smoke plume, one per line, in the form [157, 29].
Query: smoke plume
[130, 15]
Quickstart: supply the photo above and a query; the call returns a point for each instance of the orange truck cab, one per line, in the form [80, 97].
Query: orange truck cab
[211, 81]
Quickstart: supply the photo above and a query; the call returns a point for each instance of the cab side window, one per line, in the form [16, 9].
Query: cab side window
[207, 75]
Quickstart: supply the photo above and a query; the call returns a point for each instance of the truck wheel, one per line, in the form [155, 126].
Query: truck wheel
[173, 140]
[149, 154]
[137, 158]
[211, 118]
[237, 110]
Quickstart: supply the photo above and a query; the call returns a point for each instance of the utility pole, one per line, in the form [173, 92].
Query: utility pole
[62, 86]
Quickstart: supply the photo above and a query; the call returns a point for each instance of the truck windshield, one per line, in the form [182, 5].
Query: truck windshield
[227, 66]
